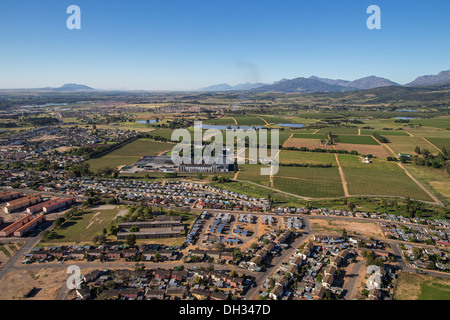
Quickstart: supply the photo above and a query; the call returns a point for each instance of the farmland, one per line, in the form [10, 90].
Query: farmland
[129, 153]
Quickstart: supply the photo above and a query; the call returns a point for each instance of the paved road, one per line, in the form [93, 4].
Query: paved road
[351, 281]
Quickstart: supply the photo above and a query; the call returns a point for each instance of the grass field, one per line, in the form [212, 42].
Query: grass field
[251, 172]
[433, 179]
[379, 178]
[83, 228]
[129, 153]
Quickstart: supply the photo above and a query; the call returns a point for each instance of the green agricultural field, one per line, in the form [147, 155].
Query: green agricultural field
[129, 153]
[339, 130]
[379, 178]
[370, 132]
[440, 143]
[221, 121]
[309, 182]
[252, 173]
[306, 157]
[434, 179]
[276, 120]
[310, 136]
[442, 123]
[408, 144]
[249, 120]
[368, 140]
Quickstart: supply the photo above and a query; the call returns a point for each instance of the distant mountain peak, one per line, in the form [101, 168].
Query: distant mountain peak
[426, 80]
[74, 87]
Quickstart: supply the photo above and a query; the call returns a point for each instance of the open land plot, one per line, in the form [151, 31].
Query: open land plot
[366, 229]
[308, 143]
[379, 178]
[408, 144]
[309, 181]
[364, 149]
[413, 286]
[47, 282]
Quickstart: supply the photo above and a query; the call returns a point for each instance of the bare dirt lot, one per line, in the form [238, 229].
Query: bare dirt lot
[48, 282]
[366, 229]
[376, 150]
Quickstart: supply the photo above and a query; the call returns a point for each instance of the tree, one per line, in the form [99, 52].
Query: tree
[417, 150]
[99, 239]
[344, 234]
[130, 240]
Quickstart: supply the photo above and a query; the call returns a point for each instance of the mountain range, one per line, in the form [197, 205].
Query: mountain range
[316, 84]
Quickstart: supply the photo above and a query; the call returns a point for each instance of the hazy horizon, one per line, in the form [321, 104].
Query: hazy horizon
[184, 46]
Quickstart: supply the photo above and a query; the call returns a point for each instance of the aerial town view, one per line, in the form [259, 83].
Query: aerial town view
[128, 173]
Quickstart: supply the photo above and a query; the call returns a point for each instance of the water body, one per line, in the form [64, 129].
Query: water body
[406, 118]
[47, 105]
[222, 127]
[145, 121]
[406, 110]
[291, 125]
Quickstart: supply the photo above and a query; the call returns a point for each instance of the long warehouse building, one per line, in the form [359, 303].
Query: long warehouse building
[10, 195]
[22, 202]
[57, 204]
[30, 225]
[9, 230]
[40, 206]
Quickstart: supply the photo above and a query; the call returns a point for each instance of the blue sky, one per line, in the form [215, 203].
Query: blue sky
[182, 45]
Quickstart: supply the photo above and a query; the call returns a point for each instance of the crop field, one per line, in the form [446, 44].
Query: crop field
[252, 173]
[379, 178]
[440, 142]
[370, 132]
[129, 153]
[249, 120]
[339, 130]
[300, 157]
[274, 119]
[355, 139]
[309, 182]
[434, 179]
[310, 136]
[408, 144]
[309, 143]
[226, 121]
[442, 123]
